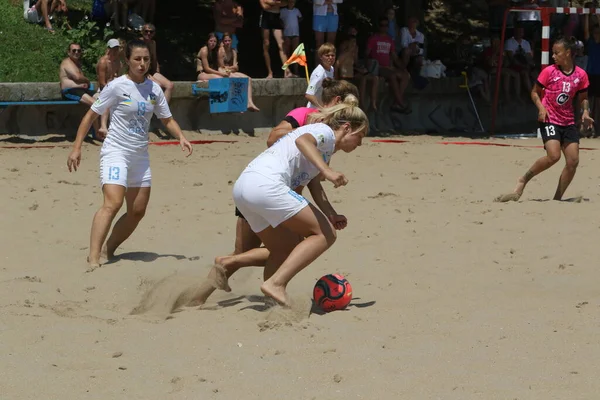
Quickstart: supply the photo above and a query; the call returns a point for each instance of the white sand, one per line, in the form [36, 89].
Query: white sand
[456, 297]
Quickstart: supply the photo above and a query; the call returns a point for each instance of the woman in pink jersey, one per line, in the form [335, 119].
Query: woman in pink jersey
[248, 250]
[558, 84]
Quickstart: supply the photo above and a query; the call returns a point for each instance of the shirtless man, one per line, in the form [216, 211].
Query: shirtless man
[228, 17]
[109, 65]
[107, 69]
[73, 84]
[148, 32]
[270, 20]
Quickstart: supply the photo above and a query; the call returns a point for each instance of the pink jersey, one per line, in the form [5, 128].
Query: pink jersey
[559, 92]
[300, 114]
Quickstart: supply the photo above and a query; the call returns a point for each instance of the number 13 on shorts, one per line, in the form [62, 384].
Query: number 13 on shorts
[546, 130]
[113, 173]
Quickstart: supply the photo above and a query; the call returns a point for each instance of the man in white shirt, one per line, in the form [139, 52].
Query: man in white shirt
[520, 57]
[412, 43]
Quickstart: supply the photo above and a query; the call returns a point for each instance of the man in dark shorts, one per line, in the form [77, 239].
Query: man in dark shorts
[270, 20]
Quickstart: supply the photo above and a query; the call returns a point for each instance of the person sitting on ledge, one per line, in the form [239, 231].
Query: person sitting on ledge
[207, 60]
[73, 84]
[229, 65]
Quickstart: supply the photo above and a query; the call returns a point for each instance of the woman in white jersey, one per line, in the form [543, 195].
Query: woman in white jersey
[264, 193]
[124, 161]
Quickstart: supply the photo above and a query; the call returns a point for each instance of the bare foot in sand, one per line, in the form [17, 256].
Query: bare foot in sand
[218, 276]
[92, 265]
[201, 293]
[515, 195]
[277, 293]
[106, 255]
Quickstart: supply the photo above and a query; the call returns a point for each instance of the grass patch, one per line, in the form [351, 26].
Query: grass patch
[32, 54]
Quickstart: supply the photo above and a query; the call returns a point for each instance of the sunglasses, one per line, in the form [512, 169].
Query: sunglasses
[75, 50]
[148, 31]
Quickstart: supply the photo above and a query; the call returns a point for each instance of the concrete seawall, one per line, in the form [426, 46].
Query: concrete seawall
[442, 107]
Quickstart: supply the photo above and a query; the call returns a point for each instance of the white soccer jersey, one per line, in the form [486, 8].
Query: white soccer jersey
[131, 107]
[316, 81]
[283, 161]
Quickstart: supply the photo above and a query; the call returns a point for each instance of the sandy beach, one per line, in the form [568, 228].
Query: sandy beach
[455, 296]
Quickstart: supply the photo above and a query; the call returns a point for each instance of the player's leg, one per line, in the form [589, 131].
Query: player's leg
[551, 138]
[319, 235]
[571, 152]
[137, 199]
[113, 200]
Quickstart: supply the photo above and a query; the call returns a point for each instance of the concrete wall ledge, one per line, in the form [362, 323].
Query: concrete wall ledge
[442, 107]
[48, 91]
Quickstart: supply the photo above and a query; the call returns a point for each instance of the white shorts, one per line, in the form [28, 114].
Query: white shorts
[32, 15]
[126, 170]
[264, 202]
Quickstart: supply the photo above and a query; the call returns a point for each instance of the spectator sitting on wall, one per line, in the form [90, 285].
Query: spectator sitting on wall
[464, 60]
[520, 57]
[73, 84]
[413, 46]
[324, 70]
[207, 60]
[229, 16]
[228, 64]
[39, 11]
[348, 67]
[381, 48]
[291, 17]
[148, 31]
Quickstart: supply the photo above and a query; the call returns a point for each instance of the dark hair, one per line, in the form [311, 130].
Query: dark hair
[72, 44]
[570, 44]
[382, 19]
[135, 44]
[213, 55]
[333, 88]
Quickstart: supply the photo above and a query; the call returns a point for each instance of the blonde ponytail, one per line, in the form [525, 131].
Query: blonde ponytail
[335, 116]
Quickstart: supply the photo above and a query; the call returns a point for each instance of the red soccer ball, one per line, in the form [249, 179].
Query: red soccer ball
[332, 292]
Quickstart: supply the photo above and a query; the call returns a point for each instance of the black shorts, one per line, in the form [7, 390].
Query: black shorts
[238, 213]
[76, 94]
[270, 21]
[594, 88]
[564, 134]
[292, 121]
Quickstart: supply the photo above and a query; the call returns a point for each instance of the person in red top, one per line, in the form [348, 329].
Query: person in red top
[381, 48]
[559, 84]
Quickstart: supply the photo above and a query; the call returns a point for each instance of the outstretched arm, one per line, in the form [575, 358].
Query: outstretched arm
[174, 129]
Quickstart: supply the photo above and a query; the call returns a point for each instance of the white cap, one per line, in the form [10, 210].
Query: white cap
[112, 43]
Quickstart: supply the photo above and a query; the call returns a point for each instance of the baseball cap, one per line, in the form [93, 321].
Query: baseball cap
[112, 43]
